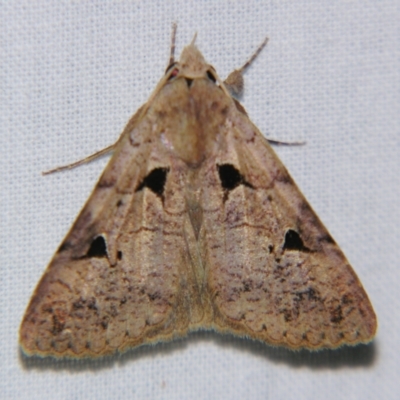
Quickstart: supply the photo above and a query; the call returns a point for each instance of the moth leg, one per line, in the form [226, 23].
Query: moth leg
[85, 160]
[234, 82]
[281, 143]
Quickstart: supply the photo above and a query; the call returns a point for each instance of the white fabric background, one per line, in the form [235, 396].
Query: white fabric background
[72, 73]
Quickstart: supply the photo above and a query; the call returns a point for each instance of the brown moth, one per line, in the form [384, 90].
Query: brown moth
[195, 224]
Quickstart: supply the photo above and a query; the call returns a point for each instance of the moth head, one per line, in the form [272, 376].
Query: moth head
[192, 63]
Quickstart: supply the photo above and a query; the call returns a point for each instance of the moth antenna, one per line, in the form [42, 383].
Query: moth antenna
[86, 160]
[194, 39]
[254, 56]
[173, 37]
[282, 143]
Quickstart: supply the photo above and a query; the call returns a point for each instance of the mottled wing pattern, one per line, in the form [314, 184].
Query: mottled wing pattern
[195, 223]
[120, 277]
[274, 272]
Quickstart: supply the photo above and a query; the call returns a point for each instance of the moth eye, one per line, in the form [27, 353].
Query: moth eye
[170, 66]
[98, 248]
[293, 241]
[155, 181]
[173, 74]
[211, 76]
[230, 177]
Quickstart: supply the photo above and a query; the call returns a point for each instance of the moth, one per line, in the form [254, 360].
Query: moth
[195, 224]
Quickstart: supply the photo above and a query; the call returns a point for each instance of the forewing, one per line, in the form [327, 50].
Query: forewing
[120, 277]
[274, 272]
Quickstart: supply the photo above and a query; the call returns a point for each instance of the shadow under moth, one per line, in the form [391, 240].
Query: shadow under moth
[195, 224]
